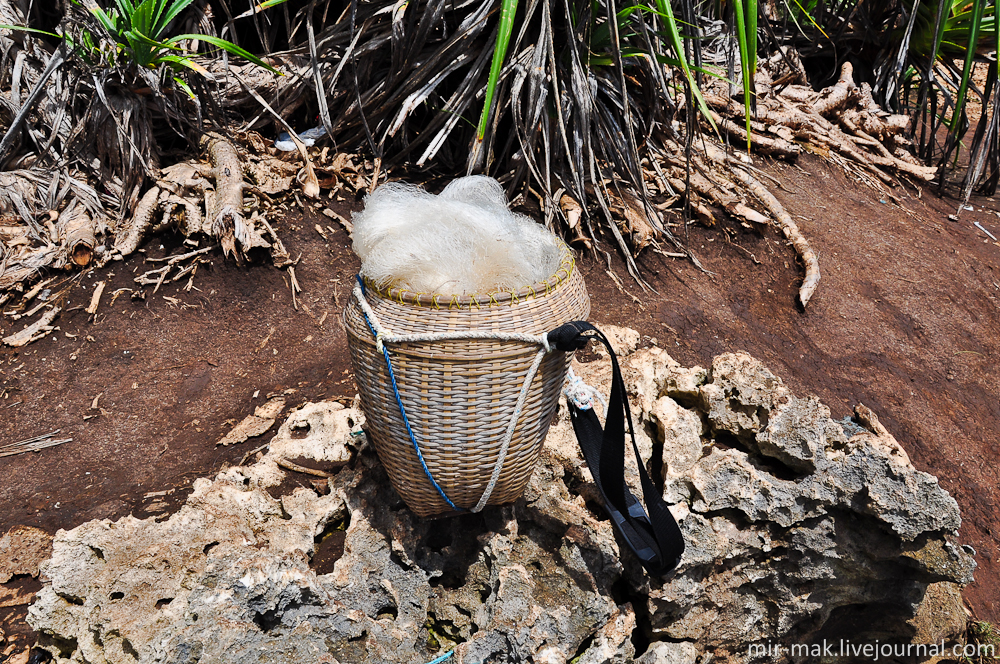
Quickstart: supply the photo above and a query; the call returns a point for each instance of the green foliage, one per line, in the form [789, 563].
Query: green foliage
[139, 31]
[611, 41]
[962, 25]
[745, 12]
[507, 11]
[673, 38]
[982, 633]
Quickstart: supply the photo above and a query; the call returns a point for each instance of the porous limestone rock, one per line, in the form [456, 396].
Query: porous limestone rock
[228, 577]
[679, 430]
[651, 373]
[666, 652]
[794, 524]
[623, 340]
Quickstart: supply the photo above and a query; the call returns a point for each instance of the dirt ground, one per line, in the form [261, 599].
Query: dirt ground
[905, 320]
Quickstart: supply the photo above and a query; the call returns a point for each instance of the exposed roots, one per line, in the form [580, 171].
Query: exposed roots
[225, 205]
[842, 118]
[788, 227]
[720, 180]
[134, 233]
[841, 123]
[176, 201]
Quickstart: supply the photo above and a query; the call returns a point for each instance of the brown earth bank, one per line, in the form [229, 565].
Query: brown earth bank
[905, 320]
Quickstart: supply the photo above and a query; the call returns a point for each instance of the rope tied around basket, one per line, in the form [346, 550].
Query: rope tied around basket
[383, 336]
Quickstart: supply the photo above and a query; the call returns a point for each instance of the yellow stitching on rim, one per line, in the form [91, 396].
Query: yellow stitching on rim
[567, 264]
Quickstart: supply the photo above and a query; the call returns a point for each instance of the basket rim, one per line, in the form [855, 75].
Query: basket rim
[480, 300]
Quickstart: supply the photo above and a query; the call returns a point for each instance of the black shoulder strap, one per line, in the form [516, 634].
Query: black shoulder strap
[654, 538]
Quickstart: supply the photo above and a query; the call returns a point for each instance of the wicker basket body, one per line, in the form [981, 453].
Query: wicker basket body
[459, 395]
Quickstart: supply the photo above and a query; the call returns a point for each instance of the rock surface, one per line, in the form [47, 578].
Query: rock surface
[22, 550]
[797, 528]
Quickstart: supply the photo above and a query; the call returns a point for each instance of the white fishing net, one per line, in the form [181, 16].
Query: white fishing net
[462, 241]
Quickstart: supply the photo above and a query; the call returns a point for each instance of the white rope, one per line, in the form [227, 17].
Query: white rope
[510, 432]
[581, 394]
[383, 336]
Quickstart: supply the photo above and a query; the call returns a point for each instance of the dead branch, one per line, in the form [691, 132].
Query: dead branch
[78, 234]
[170, 260]
[294, 467]
[35, 331]
[226, 212]
[28, 263]
[95, 299]
[33, 444]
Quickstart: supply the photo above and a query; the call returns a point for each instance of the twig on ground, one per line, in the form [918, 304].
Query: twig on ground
[179, 257]
[348, 226]
[33, 444]
[288, 465]
[35, 331]
[95, 300]
[252, 452]
[37, 288]
[295, 282]
[980, 227]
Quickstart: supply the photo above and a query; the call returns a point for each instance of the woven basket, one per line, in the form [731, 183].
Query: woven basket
[459, 395]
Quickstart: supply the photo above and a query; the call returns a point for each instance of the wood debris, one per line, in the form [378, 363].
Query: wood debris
[348, 226]
[33, 444]
[35, 331]
[208, 199]
[294, 467]
[262, 419]
[36, 289]
[96, 298]
[158, 276]
[77, 232]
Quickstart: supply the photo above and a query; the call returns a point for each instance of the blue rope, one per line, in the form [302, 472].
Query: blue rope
[409, 431]
[442, 657]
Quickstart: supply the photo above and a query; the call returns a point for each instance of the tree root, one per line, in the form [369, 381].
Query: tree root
[841, 123]
[225, 209]
[173, 199]
[142, 223]
[842, 118]
[790, 230]
[835, 98]
[724, 189]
